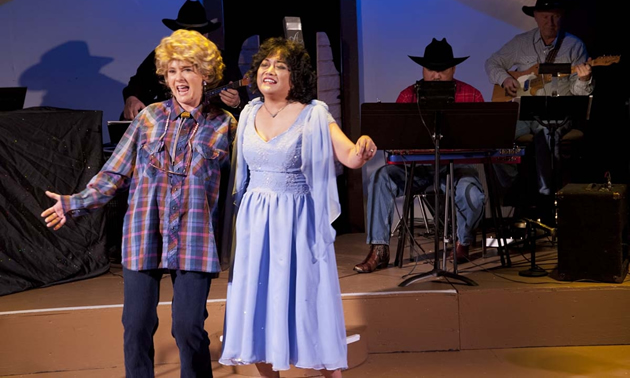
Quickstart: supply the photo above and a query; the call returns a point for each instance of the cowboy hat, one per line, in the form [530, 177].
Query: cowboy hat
[438, 56]
[544, 5]
[192, 16]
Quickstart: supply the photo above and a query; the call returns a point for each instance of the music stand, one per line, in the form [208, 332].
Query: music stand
[554, 69]
[435, 93]
[400, 126]
[552, 112]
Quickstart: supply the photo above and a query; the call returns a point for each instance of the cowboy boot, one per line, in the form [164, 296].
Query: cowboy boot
[378, 258]
[461, 253]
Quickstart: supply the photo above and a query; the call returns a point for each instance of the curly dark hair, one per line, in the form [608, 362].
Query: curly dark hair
[303, 78]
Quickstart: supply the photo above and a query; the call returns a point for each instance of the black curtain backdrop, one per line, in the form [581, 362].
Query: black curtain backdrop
[244, 19]
[57, 150]
[604, 149]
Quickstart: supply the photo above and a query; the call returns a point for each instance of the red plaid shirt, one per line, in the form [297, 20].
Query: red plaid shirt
[463, 93]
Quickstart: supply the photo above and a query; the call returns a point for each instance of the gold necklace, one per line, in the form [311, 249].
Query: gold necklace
[273, 115]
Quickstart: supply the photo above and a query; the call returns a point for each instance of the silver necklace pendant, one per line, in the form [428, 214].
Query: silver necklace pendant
[273, 115]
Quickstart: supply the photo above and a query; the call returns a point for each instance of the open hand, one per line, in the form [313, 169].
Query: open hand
[54, 216]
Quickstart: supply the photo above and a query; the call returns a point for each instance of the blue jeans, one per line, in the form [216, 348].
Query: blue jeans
[140, 321]
[388, 182]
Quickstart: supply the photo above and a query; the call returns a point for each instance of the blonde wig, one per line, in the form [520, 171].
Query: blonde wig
[190, 46]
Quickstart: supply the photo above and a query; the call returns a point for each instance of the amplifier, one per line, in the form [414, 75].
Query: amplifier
[592, 232]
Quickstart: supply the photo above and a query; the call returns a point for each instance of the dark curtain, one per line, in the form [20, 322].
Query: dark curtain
[57, 150]
[244, 19]
[601, 28]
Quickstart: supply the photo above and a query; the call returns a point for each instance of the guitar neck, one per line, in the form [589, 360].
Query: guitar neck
[605, 60]
[233, 85]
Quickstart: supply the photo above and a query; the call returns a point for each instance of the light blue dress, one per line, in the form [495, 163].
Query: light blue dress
[283, 301]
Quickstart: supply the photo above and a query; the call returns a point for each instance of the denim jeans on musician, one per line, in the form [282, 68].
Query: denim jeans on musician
[388, 182]
[140, 321]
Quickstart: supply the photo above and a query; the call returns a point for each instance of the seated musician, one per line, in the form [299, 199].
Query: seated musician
[387, 183]
[546, 43]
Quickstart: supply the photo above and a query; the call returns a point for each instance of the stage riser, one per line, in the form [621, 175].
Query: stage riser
[561, 317]
[406, 322]
[84, 339]
[93, 339]
[402, 322]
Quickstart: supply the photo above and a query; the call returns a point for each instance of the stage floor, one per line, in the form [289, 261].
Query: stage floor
[506, 325]
[487, 271]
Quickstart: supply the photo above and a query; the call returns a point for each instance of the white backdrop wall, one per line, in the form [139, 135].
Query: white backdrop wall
[78, 54]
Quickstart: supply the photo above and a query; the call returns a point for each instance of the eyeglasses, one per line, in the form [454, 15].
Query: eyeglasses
[154, 161]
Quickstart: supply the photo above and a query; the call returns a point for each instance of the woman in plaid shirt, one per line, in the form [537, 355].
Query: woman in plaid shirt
[173, 158]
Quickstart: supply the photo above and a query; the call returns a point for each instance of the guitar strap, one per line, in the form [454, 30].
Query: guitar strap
[551, 57]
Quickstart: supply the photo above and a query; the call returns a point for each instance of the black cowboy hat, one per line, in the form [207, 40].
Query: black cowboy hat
[192, 16]
[544, 5]
[438, 56]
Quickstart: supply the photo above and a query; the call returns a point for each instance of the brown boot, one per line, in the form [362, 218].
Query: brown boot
[461, 253]
[378, 258]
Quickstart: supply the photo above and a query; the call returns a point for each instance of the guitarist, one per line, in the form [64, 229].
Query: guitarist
[546, 43]
[145, 87]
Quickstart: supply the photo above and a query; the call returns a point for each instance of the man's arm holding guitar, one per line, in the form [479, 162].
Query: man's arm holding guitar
[498, 64]
[583, 84]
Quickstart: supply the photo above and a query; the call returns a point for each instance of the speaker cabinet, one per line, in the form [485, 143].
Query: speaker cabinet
[592, 232]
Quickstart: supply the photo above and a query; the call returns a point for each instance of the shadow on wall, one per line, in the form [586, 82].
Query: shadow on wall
[508, 11]
[70, 78]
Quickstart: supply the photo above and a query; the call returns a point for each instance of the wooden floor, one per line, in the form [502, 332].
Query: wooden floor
[508, 325]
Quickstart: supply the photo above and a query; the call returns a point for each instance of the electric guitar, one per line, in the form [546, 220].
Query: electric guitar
[233, 85]
[530, 81]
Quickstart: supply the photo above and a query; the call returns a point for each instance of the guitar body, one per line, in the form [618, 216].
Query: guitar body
[524, 78]
[529, 85]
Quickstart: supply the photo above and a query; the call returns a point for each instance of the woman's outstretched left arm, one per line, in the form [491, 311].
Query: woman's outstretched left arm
[352, 155]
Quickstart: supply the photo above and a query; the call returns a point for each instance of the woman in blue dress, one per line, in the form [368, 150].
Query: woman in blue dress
[283, 302]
